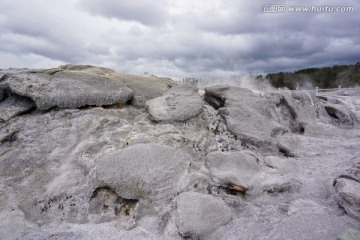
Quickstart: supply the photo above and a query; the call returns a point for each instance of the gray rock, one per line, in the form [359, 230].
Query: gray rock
[347, 187]
[179, 104]
[145, 87]
[258, 120]
[198, 215]
[146, 171]
[247, 115]
[233, 169]
[8, 134]
[282, 164]
[341, 115]
[288, 145]
[98, 86]
[81, 173]
[13, 106]
[69, 89]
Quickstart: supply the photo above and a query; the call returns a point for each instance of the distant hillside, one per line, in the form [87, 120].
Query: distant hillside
[309, 78]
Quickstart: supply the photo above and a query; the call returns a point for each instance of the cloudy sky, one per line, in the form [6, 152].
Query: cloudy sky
[177, 38]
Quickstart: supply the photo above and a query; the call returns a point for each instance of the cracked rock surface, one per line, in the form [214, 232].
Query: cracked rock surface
[84, 159]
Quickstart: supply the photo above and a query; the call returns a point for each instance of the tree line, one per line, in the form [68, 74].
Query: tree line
[309, 78]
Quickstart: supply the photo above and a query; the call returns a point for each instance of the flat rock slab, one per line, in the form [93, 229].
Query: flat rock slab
[146, 171]
[13, 106]
[198, 215]
[233, 169]
[69, 89]
[179, 104]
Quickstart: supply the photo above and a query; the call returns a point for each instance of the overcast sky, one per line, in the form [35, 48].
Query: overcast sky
[177, 38]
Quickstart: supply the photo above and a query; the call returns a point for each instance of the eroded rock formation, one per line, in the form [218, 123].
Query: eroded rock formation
[88, 153]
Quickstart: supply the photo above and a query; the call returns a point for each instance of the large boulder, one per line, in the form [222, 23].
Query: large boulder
[179, 104]
[69, 89]
[341, 115]
[146, 171]
[347, 188]
[246, 114]
[198, 215]
[234, 170]
[259, 119]
[73, 86]
[144, 87]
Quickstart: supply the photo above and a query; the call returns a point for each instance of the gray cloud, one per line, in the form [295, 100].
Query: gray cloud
[143, 11]
[176, 38]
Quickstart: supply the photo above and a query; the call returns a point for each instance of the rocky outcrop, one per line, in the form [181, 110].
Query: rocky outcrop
[347, 188]
[246, 114]
[69, 89]
[234, 165]
[74, 86]
[198, 215]
[144, 87]
[181, 103]
[260, 120]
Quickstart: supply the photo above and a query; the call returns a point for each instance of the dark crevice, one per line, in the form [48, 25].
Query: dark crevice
[111, 106]
[9, 137]
[114, 106]
[283, 102]
[52, 72]
[301, 129]
[297, 128]
[339, 117]
[290, 115]
[285, 152]
[105, 199]
[278, 131]
[322, 98]
[332, 112]
[214, 101]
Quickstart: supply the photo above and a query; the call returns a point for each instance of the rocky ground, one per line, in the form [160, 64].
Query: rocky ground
[88, 153]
